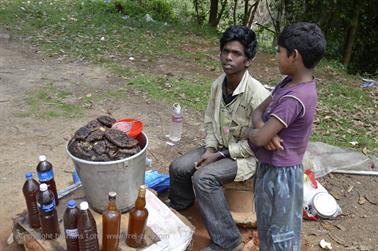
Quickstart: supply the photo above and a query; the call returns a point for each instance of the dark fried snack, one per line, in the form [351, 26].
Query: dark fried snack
[106, 121]
[118, 138]
[100, 147]
[102, 157]
[84, 150]
[111, 146]
[96, 135]
[98, 142]
[113, 154]
[132, 143]
[130, 151]
[93, 125]
[82, 133]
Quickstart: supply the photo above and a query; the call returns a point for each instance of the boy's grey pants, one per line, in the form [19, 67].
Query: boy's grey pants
[208, 186]
[278, 202]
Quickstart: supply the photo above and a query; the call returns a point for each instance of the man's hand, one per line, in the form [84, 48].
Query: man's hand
[210, 156]
[274, 144]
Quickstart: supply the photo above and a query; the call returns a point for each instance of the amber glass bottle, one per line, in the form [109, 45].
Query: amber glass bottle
[111, 223]
[137, 220]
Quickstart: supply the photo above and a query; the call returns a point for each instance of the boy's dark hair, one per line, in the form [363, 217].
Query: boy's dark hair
[242, 34]
[307, 38]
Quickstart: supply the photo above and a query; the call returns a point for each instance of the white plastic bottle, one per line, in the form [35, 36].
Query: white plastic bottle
[176, 123]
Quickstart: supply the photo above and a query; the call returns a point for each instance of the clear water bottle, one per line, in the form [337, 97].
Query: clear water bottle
[176, 123]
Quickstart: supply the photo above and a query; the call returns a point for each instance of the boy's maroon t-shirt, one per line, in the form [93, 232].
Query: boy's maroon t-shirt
[294, 107]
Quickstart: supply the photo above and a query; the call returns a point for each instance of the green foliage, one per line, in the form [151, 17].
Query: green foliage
[335, 20]
[265, 39]
[364, 59]
[160, 10]
[200, 11]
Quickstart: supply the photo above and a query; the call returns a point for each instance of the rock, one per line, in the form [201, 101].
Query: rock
[246, 220]
[4, 36]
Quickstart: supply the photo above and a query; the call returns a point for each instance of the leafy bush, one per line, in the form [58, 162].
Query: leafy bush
[160, 10]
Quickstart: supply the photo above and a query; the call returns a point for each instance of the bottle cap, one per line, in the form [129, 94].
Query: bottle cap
[177, 108]
[143, 188]
[71, 204]
[112, 194]
[43, 187]
[42, 157]
[84, 205]
[28, 175]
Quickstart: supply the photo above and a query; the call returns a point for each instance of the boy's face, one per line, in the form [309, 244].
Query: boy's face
[233, 58]
[285, 63]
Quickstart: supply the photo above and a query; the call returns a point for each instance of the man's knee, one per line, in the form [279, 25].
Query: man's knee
[173, 168]
[179, 168]
[204, 180]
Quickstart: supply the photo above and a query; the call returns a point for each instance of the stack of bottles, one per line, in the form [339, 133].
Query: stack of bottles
[42, 200]
[80, 230]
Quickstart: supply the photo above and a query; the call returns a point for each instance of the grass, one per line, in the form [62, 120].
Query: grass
[94, 31]
[192, 93]
[50, 102]
[346, 114]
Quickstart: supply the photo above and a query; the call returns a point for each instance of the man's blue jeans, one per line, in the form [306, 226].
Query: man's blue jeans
[208, 184]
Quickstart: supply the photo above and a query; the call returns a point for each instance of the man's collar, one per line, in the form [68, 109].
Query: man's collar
[242, 85]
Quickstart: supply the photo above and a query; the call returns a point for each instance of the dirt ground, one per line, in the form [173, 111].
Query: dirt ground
[23, 139]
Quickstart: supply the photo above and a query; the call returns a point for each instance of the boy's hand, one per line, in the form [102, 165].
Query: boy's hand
[275, 144]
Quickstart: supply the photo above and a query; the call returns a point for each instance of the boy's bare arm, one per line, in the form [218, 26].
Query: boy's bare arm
[257, 120]
[263, 135]
[276, 142]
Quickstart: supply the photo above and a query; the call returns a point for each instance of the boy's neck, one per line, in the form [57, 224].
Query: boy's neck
[304, 75]
[233, 80]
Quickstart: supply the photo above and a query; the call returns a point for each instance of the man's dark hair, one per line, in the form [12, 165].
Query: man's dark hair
[307, 38]
[242, 34]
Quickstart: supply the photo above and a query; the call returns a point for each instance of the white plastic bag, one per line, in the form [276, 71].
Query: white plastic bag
[322, 159]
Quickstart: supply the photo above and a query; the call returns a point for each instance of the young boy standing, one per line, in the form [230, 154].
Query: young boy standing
[282, 127]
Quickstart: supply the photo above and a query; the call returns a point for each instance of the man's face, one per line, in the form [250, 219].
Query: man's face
[233, 58]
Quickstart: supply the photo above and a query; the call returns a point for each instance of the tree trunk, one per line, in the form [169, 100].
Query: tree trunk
[253, 13]
[234, 11]
[246, 12]
[276, 19]
[351, 34]
[224, 3]
[213, 13]
[196, 7]
[289, 11]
